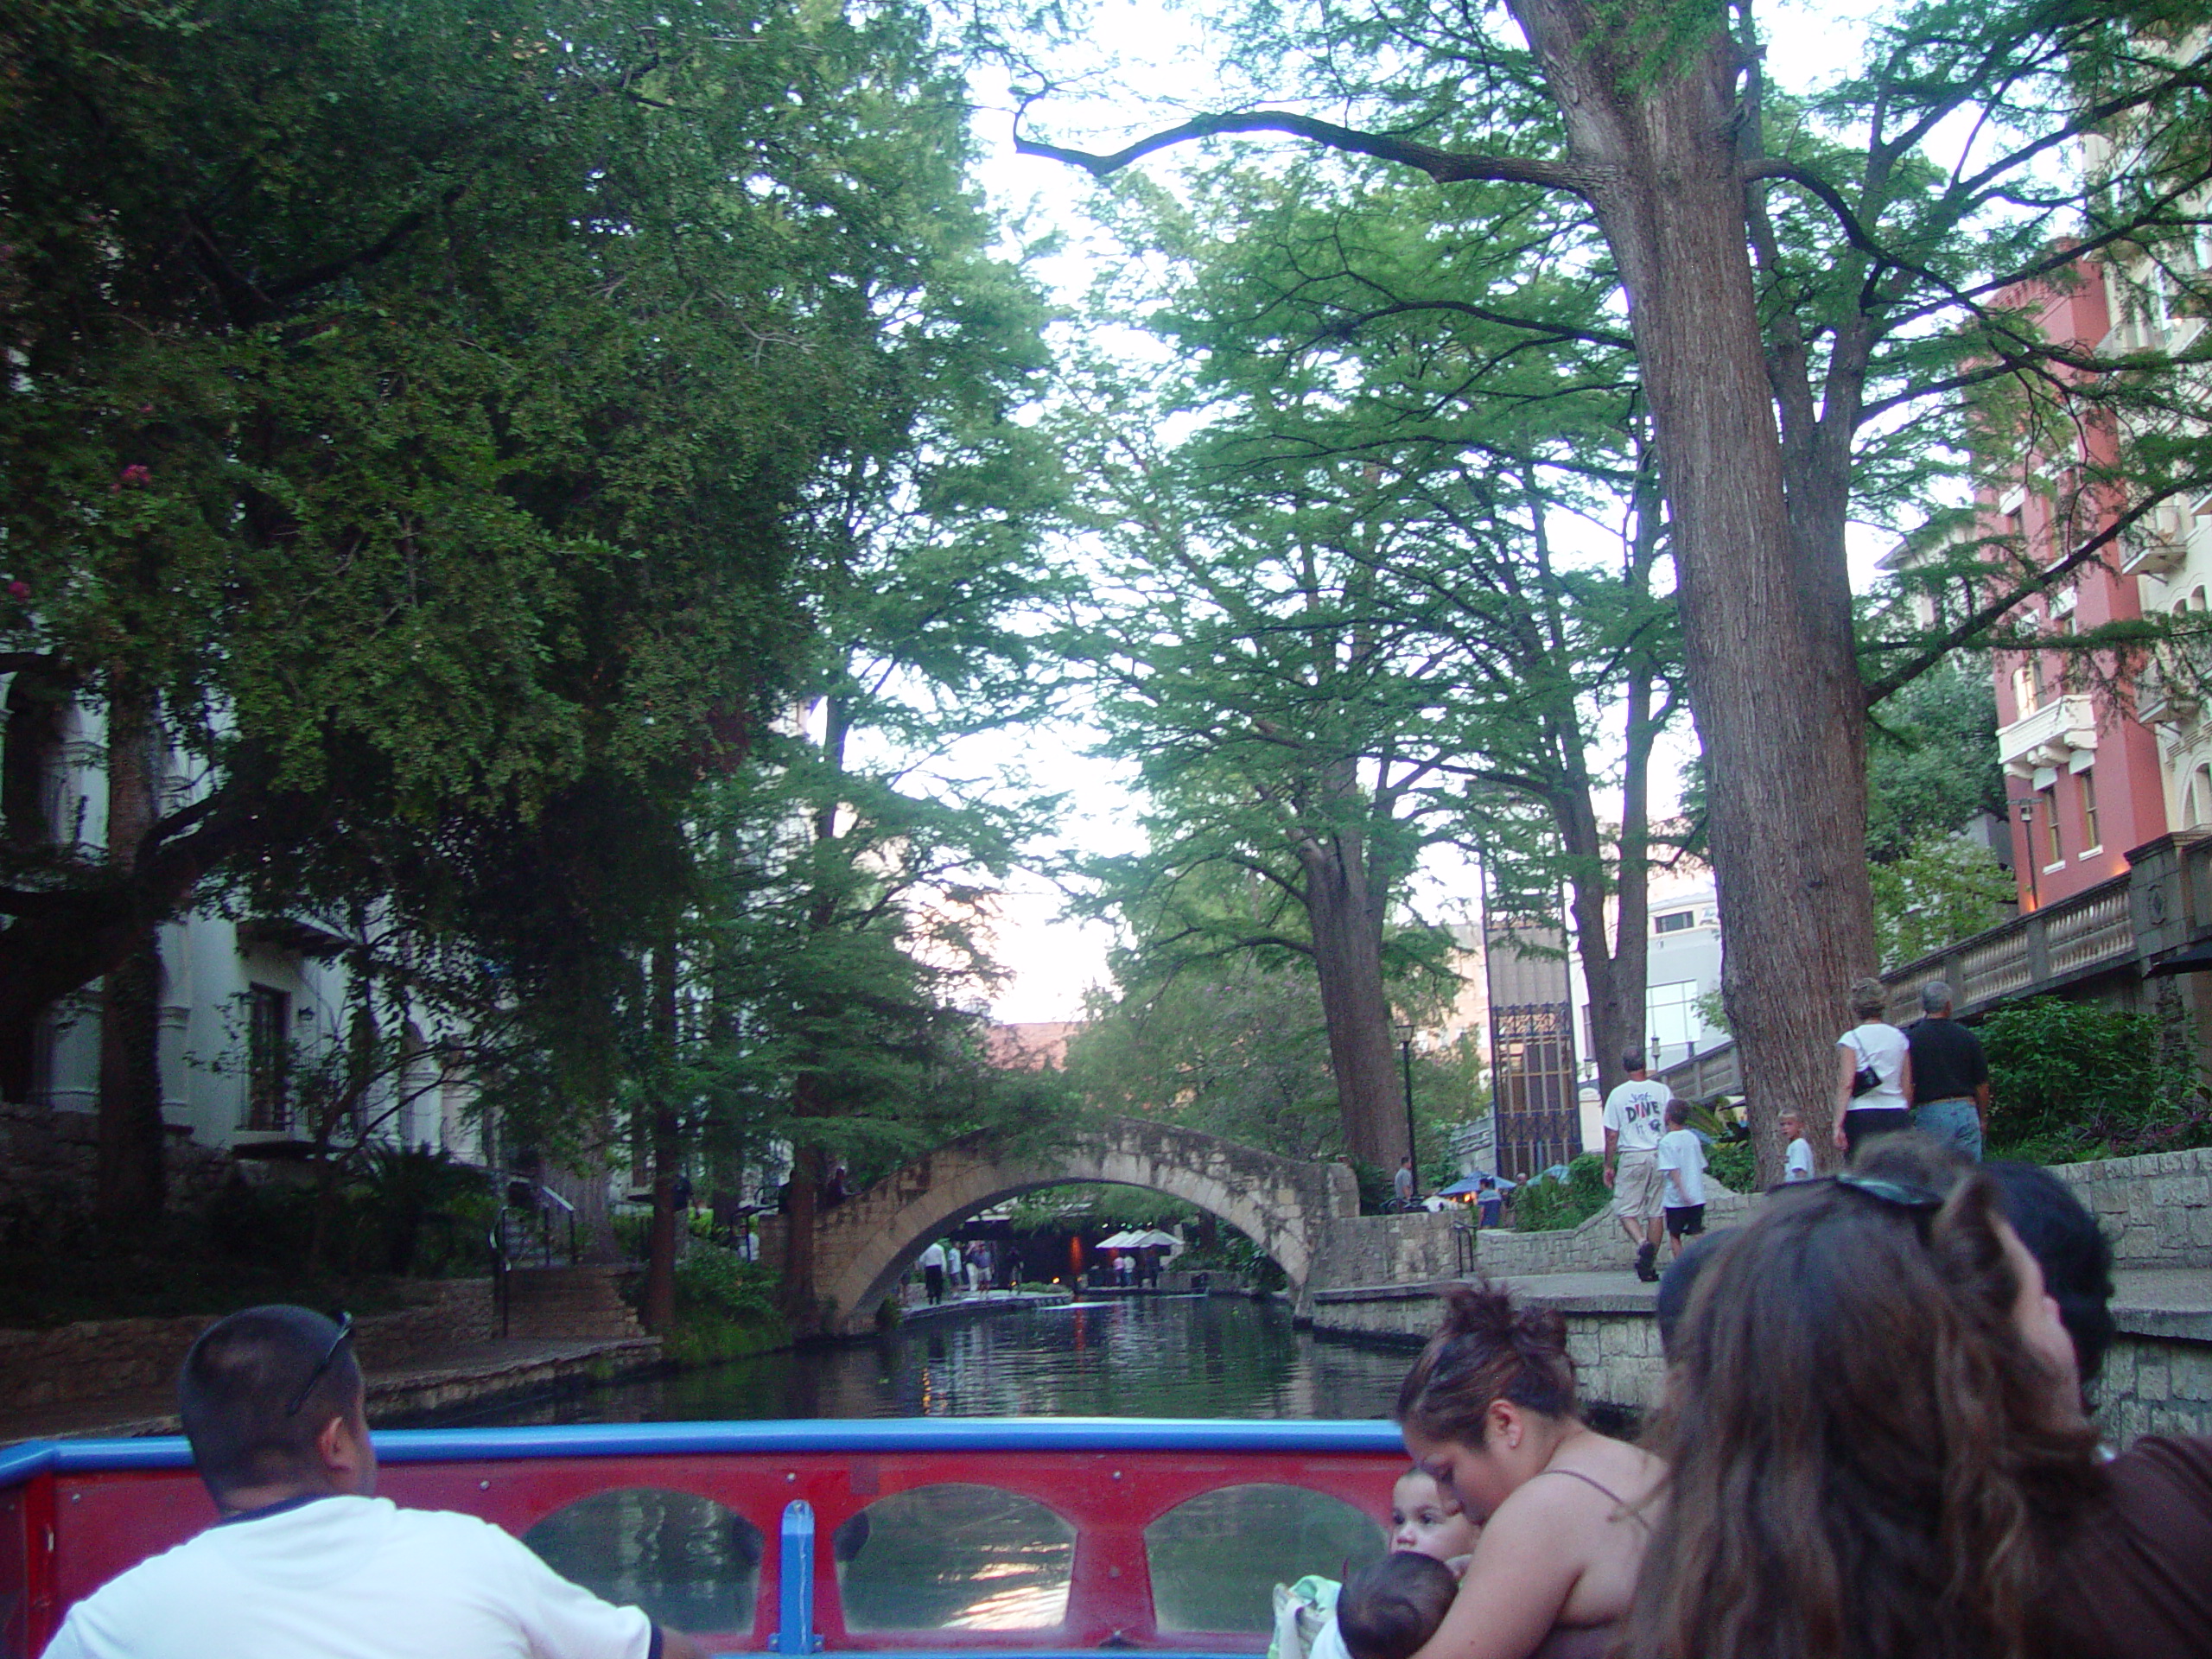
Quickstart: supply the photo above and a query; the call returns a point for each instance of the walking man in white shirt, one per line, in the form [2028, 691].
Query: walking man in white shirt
[1635, 1118]
[307, 1562]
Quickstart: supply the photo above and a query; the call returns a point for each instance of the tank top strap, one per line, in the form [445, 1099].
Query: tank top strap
[1618, 1502]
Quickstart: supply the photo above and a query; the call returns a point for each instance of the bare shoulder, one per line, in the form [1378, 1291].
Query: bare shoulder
[1596, 1476]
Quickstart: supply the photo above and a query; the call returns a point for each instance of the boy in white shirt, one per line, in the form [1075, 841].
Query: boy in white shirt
[1797, 1158]
[1682, 1166]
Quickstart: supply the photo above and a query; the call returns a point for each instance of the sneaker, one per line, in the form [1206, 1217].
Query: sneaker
[1645, 1256]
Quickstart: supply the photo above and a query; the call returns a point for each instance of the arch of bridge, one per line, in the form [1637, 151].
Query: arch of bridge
[863, 1246]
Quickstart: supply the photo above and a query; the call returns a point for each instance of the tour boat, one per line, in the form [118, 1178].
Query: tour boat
[1030, 1536]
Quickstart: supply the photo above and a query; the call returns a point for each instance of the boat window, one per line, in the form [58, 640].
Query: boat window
[685, 1560]
[1215, 1559]
[954, 1557]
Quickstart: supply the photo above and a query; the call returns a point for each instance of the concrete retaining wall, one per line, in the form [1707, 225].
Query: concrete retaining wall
[100, 1358]
[1597, 1246]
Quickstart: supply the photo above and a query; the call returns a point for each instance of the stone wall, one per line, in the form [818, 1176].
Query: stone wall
[2155, 1385]
[102, 1358]
[1597, 1246]
[47, 1160]
[1388, 1250]
[2156, 1209]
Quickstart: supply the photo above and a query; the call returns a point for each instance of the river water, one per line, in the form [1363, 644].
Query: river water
[1136, 1356]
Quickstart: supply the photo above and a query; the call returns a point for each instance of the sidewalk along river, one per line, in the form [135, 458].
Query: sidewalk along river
[969, 1556]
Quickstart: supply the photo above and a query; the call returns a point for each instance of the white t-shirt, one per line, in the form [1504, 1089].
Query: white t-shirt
[1681, 1159]
[1797, 1161]
[349, 1578]
[1882, 1047]
[933, 1257]
[1638, 1113]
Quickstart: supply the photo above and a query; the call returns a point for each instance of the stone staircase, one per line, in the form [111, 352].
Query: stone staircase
[569, 1303]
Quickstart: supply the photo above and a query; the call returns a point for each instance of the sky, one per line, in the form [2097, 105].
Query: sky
[1163, 69]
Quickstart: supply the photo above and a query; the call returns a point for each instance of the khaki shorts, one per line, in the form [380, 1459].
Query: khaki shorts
[1639, 1190]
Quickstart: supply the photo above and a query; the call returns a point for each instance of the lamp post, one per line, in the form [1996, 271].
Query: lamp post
[2027, 805]
[1406, 1051]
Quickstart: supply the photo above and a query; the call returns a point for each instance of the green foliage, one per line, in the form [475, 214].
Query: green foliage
[1099, 1204]
[726, 1309]
[2070, 1081]
[1931, 762]
[1547, 1204]
[1732, 1164]
[1935, 893]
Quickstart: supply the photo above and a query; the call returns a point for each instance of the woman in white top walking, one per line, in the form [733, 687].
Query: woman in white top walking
[1873, 1081]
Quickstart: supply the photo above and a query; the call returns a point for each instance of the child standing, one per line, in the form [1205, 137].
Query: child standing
[1425, 1520]
[1681, 1171]
[1797, 1158]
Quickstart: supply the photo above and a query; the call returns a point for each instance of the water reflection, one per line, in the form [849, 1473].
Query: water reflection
[954, 1557]
[1155, 1357]
[1215, 1559]
[685, 1560]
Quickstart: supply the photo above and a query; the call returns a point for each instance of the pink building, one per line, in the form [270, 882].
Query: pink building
[2083, 777]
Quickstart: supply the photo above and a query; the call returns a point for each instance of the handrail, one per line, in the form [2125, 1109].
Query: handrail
[797, 1436]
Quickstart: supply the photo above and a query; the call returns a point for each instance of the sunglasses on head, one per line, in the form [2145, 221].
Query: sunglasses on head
[345, 1330]
[1901, 1195]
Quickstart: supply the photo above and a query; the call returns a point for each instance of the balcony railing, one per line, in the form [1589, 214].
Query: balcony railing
[2051, 735]
[2132, 923]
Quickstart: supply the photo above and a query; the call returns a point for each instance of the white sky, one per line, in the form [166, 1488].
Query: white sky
[1165, 66]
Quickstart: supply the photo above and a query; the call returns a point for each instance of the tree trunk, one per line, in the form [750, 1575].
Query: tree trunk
[667, 1147]
[1773, 679]
[129, 1183]
[1346, 921]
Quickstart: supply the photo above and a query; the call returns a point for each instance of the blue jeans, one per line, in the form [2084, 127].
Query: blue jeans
[1954, 1122]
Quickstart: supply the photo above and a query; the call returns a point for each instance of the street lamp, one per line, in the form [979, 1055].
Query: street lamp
[2027, 805]
[1406, 1050]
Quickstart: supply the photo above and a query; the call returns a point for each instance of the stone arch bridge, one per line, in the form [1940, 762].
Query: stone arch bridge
[863, 1246]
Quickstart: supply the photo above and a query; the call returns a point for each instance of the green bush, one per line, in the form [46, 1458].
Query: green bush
[1545, 1205]
[2070, 1081]
[1732, 1165]
[725, 1308]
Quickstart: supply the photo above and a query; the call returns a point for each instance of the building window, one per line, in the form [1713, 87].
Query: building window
[2047, 804]
[268, 1047]
[2090, 836]
[1675, 921]
[2027, 689]
[2200, 798]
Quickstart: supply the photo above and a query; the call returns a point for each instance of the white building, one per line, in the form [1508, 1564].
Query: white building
[1683, 967]
[247, 1007]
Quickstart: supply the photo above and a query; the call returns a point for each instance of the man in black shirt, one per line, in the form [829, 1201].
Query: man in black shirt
[1950, 1079]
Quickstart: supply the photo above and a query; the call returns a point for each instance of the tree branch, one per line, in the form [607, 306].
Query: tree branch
[1444, 166]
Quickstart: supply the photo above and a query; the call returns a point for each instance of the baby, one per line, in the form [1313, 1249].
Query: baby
[1389, 1609]
[1426, 1522]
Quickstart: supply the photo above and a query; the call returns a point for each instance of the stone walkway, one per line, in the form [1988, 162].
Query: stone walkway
[470, 1372]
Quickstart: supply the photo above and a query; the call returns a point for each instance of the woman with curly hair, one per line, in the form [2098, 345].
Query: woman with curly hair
[1488, 1410]
[1874, 1433]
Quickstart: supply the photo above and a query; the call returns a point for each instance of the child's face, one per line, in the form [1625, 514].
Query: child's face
[1792, 1125]
[1426, 1521]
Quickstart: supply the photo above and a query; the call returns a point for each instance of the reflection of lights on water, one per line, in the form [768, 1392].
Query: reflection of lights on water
[1034, 1607]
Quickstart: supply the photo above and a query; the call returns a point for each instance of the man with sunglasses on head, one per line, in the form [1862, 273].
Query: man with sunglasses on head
[307, 1561]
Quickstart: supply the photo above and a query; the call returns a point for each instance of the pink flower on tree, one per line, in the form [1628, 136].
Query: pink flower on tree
[19, 590]
[137, 473]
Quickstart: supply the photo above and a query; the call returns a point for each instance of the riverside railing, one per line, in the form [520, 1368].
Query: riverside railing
[2140, 923]
[1015, 1536]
